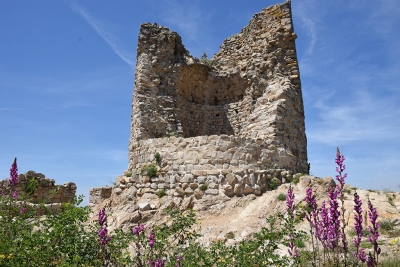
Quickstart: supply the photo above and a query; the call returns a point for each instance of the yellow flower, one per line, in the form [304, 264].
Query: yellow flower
[10, 256]
[2, 256]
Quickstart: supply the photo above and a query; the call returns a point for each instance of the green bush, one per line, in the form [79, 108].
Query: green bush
[160, 193]
[387, 225]
[296, 178]
[207, 62]
[281, 197]
[128, 174]
[203, 187]
[273, 184]
[149, 170]
[157, 157]
[31, 186]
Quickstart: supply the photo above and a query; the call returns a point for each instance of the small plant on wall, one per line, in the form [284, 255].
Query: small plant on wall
[149, 170]
[157, 157]
[208, 62]
[31, 186]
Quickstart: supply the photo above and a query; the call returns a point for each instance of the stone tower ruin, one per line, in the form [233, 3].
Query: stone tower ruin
[233, 122]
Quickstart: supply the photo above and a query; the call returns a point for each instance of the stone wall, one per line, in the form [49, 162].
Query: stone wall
[43, 189]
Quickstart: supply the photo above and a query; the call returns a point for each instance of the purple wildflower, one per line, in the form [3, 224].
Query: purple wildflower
[138, 229]
[289, 201]
[22, 209]
[333, 229]
[373, 237]
[102, 217]
[359, 254]
[159, 263]
[151, 239]
[341, 167]
[13, 174]
[103, 233]
[178, 261]
[292, 248]
[15, 195]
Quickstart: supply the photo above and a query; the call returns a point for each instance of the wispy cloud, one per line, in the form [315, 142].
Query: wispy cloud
[366, 118]
[187, 18]
[303, 10]
[104, 32]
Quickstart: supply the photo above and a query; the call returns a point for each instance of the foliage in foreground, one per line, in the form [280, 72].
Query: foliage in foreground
[46, 236]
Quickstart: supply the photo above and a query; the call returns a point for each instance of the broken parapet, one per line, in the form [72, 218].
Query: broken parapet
[39, 189]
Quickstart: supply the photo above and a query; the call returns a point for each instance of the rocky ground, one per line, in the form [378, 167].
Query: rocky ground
[234, 219]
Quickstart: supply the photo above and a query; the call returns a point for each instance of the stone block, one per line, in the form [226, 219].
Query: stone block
[211, 192]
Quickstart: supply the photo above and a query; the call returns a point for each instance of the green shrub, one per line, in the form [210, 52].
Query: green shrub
[149, 170]
[296, 178]
[230, 235]
[160, 193]
[203, 187]
[281, 197]
[31, 186]
[320, 181]
[128, 174]
[387, 225]
[208, 62]
[390, 198]
[157, 156]
[347, 190]
[273, 166]
[273, 184]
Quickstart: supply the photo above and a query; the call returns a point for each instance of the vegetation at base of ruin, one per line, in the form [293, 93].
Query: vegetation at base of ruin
[390, 198]
[387, 225]
[46, 236]
[128, 174]
[207, 62]
[230, 235]
[273, 166]
[157, 157]
[281, 197]
[273, 184]
[31, 186]
[160, 193]
[347, 191]
[203, 187]
[149, 170]
[296, 178]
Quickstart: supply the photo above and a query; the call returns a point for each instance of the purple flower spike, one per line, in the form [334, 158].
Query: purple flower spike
[341, 167]
[103, 233]
[138, 229]
[374, 234]
[178, 261]
[358, 218]
[159, 263]
[15, 195]
[102, 218]
[13, 174]
[289, 201]
[151, 239]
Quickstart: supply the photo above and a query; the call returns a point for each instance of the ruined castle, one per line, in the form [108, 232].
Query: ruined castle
[228, 125]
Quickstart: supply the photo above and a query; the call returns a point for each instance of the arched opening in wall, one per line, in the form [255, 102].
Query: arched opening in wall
[208, 104]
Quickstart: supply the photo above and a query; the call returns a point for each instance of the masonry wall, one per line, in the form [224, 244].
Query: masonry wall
[251, 92]
[44, 190]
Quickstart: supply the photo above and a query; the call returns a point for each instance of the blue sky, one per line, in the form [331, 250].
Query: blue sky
[67, 72]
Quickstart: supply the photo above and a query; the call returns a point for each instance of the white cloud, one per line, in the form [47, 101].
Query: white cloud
[189, 19]
[364, 118]
[303, 10]
[104, 32]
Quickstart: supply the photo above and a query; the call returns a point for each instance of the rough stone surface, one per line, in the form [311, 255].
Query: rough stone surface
[43, 189]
